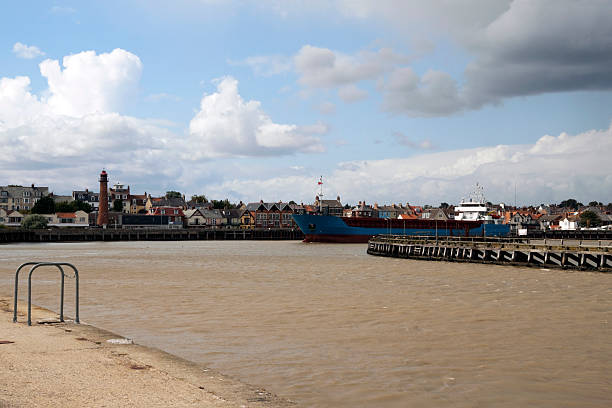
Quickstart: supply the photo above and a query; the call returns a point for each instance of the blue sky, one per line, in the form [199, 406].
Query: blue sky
[391, 101]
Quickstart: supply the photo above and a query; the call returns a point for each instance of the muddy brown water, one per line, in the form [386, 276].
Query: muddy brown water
[330, 326]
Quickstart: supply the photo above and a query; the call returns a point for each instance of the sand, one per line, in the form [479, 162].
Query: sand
[74, 365]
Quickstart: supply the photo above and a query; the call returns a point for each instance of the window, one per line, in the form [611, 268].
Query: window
[26, 200]
[26, 193]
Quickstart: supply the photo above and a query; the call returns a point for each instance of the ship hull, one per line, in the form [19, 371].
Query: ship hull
[327, 228]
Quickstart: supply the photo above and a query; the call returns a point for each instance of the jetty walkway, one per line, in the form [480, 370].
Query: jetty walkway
[554, 253]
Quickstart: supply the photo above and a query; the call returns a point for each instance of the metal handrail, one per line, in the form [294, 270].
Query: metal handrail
[36, 265]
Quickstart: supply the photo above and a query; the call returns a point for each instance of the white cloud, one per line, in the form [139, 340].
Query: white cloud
[550, 170]
[267, 65]
[324, 68]
[163, 96]
[27, 51]
[91, 83]
[519, 48]
[226, 125]
[327, 108]
[74, 126]
[404, 140]
[433, 94]
[350, 93]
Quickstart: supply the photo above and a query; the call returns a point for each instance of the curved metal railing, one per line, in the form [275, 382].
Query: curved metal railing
[34, 266]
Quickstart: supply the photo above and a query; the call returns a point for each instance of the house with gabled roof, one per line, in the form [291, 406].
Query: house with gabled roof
[329, 207]
[271, 215]
[194, 218]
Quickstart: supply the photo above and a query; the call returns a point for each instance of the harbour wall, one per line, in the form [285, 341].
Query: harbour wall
[595, 255]
[145, 234]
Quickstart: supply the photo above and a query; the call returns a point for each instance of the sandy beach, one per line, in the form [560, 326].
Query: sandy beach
[74, 365]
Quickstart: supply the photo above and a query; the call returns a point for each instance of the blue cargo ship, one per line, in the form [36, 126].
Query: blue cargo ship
[329, 228]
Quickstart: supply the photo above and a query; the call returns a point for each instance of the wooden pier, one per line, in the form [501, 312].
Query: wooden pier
[145, 234]
[593, 255]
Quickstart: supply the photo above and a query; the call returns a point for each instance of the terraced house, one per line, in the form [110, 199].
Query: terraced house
[15, 198]
[271, 215]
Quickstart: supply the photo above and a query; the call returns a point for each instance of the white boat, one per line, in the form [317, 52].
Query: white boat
[474, 207]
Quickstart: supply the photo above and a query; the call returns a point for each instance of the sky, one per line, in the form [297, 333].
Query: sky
[391, 101]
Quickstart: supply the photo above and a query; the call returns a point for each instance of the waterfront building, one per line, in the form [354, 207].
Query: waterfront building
[11, 218]
[89, 197]
[14, 197]
[59, 199]
[435, 214]
[247, 219]
[271, 215]
[329, 207]
[67, 219]
[194, 218]
[138, 203]
[388, 211]
[175, 214]
[153, 202]
[120, 192]
[362, 210]
[231, 217]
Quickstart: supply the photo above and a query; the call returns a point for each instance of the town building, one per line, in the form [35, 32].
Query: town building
[175, 214]
[329, 207]
[138, 203]
[271, 215]
[15, 198]
[120, 192]
[89, 197]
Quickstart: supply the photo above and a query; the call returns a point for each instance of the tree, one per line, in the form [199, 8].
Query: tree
[73, 206]
[570, 203]
[45, 205]
[589, 219]
[34, 221]
[64, 207]
[594, 204]
[199, 198]
[118, 205]
[444, 205]
[223, 204]
[173, 194]
[83, 206]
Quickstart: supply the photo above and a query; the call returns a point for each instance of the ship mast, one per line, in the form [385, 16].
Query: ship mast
[321, 194]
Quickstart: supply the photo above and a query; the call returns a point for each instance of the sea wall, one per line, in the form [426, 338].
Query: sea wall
[145, 234]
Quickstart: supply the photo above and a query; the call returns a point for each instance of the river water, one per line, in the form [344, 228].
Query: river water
[329, 326]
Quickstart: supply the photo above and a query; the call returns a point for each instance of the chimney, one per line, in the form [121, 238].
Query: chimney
[32, 185]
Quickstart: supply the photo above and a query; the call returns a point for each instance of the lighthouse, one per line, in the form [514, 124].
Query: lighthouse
[103, 200]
